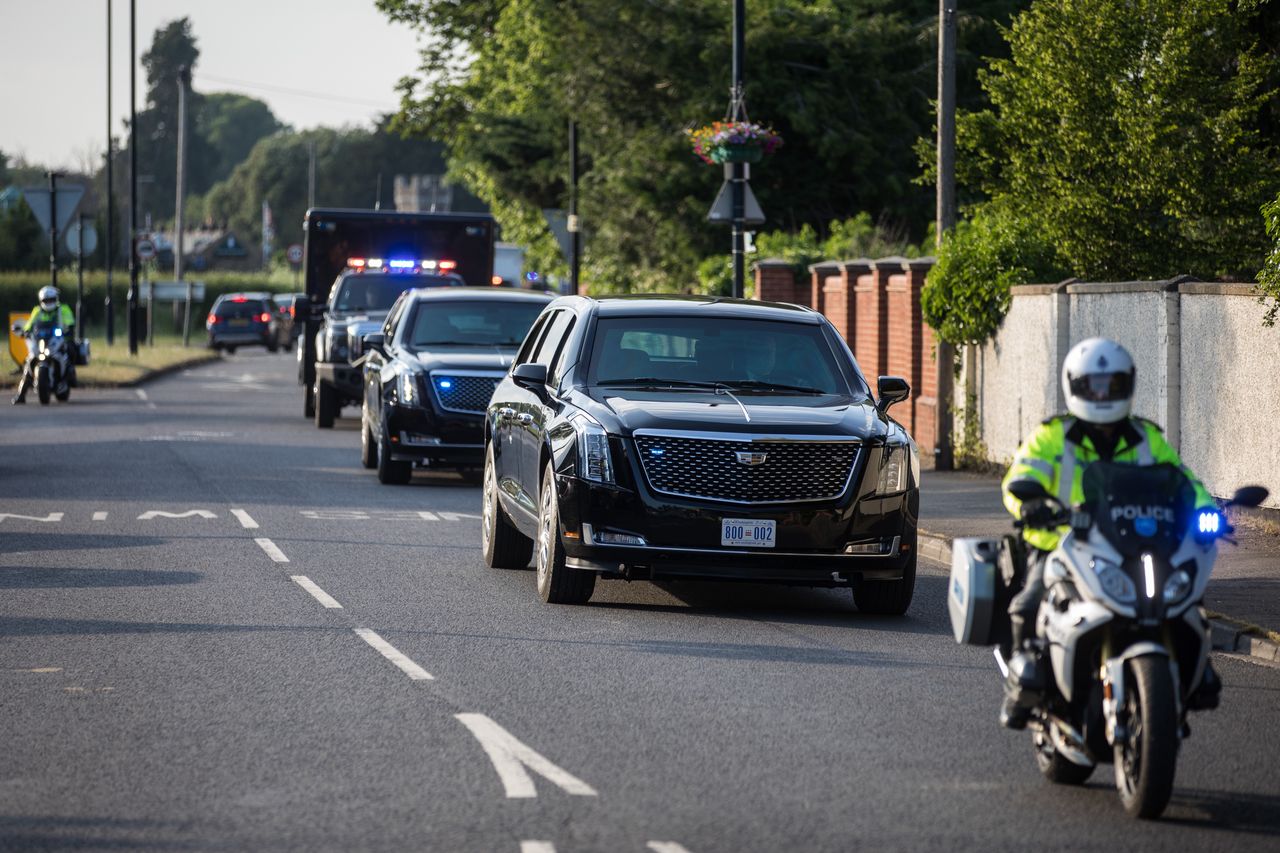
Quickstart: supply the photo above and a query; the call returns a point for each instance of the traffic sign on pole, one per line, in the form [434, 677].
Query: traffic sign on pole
[294, 253]
[146, 250]
[38, 200]
[90, 238]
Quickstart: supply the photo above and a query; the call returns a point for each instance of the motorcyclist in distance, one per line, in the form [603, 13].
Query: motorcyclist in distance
[1098, 382]
[47, 310]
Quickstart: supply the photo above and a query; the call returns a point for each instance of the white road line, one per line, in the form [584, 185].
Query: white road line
[272, 551]
[394, 655]
[666, 847]
[191, 513]
[246, 521]
[53, 516]
[537, 847]
[510, 757]
[142, 395]
[316, 592]
[99, 516]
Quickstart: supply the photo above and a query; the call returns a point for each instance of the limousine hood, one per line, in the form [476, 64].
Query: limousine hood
[626, 411]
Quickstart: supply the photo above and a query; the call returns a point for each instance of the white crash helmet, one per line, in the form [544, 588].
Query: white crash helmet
[1098, 381]
[49, 297]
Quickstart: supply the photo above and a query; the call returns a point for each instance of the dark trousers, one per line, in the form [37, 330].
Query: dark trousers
[1023, 607]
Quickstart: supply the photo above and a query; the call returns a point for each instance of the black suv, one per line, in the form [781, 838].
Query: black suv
[687, 437]
[358, 304]
[243, 319]
[429, 374]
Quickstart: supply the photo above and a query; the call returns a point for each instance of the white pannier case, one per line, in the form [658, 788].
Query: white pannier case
[971, 594]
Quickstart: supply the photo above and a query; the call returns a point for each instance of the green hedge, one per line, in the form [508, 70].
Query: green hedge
[18, 293]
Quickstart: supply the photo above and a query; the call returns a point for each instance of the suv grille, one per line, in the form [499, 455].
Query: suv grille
[468, 393]
[721, 469]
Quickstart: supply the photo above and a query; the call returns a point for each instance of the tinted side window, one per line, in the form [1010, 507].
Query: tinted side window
[388, 328]
[557, 330]
[531, 340]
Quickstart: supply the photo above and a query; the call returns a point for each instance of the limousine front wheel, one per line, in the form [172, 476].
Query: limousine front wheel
[557, 583]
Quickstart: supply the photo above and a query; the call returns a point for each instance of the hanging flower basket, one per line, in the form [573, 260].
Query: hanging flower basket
[734, 142]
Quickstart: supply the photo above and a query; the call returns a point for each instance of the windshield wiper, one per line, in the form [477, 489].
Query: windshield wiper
[757, 385]
[655, 382]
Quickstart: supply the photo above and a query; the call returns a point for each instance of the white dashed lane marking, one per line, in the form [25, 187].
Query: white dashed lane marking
[537, 847]
[99, 516]
[391, 653]
[271, 550]
[666, 847]
[510, 759]
[246, 521]
[316, 592]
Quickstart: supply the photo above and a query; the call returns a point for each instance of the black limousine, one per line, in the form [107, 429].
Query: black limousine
[697, 437]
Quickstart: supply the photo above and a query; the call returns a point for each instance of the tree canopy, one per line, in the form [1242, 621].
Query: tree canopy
[847, 83]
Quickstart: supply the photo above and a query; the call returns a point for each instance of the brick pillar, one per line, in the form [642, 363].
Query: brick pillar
[818, 275]
[775, 281]
[847, 319]
[871, 340]
[907, 353]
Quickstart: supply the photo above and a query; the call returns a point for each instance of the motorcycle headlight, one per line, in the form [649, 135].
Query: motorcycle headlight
[407, 390]
[893, 470]
[594, 461]
[1177, 587]
[1115, 582]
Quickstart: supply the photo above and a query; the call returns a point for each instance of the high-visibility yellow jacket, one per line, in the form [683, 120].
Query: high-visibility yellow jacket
[38, 314]
[1060, 443]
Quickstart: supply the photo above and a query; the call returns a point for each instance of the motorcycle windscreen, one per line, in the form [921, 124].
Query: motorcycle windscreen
[1139, 509]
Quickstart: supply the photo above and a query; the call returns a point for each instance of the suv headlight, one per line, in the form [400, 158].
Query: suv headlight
[594, 461]
[1115, 582]
[894, 463]
[408, 391]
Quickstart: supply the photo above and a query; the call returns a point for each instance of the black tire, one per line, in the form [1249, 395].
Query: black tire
[887, 598]
[231, 350]
[392, 472]
[1054, 766]
[64, 396]
[557, 583]
[308, 401]
[1147, 760]
[44, 384]
[368, 444]
[326, 405]
[273, 345]
[503, 546]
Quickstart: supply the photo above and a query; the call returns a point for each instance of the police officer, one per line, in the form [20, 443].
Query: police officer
[1098, 382]
[48, 310]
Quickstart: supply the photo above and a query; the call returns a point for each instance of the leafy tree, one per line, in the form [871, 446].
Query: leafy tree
[1132, 133]
[23, 244]
[967, 293]
[231, 125]
[847, 83]
[1269, 277]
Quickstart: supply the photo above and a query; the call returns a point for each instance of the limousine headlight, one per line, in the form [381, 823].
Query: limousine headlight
[407, 389]
[594, 461]
[894, 462]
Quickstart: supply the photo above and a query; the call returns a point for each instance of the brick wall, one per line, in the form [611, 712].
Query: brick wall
[776, 282]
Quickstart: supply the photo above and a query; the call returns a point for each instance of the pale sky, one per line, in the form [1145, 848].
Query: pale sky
[315, 62]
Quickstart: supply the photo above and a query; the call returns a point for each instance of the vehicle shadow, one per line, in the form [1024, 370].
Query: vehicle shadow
[39, 542]
[59, 832]
[1233, 811]
[44, 577]
[33, 626]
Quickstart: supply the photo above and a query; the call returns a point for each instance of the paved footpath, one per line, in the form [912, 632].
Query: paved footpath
[1245, 586]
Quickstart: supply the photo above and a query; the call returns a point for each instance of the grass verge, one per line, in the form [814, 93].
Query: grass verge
[112, 366]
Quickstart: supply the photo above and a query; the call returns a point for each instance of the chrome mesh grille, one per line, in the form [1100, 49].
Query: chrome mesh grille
[467, 394]
[792, 471]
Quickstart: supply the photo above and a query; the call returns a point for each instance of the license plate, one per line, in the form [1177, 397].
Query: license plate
[239, 322]
[748, 532]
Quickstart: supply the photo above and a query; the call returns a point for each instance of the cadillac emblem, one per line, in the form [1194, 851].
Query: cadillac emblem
[747, 457]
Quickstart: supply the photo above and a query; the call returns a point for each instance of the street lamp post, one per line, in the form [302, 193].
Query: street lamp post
[108, 250]
[944, 450]
[737, 184]
[133, 179]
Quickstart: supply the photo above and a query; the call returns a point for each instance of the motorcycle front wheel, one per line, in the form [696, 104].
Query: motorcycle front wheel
[44, 383]
[1147, 759]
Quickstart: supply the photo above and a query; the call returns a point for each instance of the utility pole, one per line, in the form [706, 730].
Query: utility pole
[53, 228]
[132, 306]
[184, 81]
[575, 233]
[80, 277]
[944, 452]
[108, 250]
[739, 170]
[311, 175]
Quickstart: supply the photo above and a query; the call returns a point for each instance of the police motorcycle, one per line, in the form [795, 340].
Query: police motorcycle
[1121, 635]
[51, 358]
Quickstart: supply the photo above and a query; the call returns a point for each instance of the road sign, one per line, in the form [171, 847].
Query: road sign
[722, 211]
[558, 223]
[176, 291]
[294, 253]
[17, 340]
[68, 199]
[146, 250]
[90, 238]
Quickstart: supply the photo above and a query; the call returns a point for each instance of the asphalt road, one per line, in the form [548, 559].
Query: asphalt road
[169, 682]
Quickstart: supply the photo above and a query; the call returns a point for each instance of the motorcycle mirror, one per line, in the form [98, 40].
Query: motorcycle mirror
[1249, 496]
[1027, 490]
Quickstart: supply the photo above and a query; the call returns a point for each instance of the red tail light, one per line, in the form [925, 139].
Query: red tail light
[291, 311]
[266, 318]
[213, 319]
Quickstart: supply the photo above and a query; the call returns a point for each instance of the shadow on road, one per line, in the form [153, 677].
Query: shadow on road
[39, 627]
[37, 542]
[57, 832]
[1227, 810]
[43, 577]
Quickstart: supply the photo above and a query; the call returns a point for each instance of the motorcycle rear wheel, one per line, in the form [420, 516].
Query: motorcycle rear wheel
[44, 384]
[1147, 760]
[1054, 765]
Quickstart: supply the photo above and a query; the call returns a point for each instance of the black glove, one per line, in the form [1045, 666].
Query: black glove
[1038, 512]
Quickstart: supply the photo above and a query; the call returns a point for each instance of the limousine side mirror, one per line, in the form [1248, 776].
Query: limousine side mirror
[892, 389]
[531, 377]
[376, 341]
